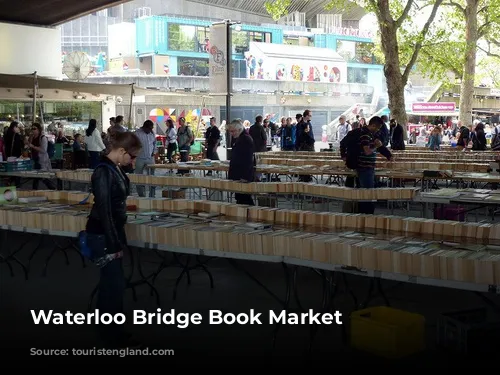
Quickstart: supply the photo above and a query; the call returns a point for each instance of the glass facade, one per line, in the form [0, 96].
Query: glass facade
[77, 113]
[188, 38]
[187, 66]
[357, 75]
[242, 39]
[356, 52]
[191, 38]
[298, 41]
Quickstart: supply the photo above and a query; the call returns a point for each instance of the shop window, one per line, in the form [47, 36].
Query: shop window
[357, 75]
[188, 38]
[356, 52]
[192, 67]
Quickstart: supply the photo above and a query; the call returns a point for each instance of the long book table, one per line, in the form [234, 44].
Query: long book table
[300, 188]
[447, 253]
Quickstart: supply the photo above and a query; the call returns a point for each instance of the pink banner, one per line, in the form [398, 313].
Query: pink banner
[433, 107]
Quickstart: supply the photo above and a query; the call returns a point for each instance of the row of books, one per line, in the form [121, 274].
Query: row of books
[398, 155]
[474, 262]
[405, 226]
[310, 189]
[409, 165]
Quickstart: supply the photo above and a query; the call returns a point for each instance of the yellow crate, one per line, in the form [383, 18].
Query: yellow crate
[387, 332]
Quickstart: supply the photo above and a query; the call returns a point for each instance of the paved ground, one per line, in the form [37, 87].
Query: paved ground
[68, 288]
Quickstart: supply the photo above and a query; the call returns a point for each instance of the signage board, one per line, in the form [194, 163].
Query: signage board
[433, 107]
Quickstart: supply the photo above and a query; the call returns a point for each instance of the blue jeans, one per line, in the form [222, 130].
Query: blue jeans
[140, 168]
[94, 159]
[366, 177]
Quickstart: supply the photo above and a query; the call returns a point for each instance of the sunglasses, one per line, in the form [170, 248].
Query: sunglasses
[133, 157]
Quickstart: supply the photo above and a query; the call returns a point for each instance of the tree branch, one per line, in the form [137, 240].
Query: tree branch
[483, 9]
[421, 39]
[483, 29]
[488, 52]
[494, 42]
[445, 62]
[405, 13]
[456, 5]
[374, 6]
[383, 11]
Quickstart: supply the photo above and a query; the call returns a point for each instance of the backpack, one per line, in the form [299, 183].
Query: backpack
[350, 148]
[192, 135]
[189, 133]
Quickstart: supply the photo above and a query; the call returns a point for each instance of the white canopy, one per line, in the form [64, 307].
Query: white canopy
[12, 81]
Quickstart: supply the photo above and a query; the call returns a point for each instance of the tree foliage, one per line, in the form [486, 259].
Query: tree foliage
[446, 54]
[401, 36]
[277, 8]
[488, 71]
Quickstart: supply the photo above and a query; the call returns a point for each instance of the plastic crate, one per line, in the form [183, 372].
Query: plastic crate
[387, 332]
[469, 332]
[19, 166]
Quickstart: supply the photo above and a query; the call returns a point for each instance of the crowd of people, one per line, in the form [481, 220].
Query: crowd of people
[477, 136]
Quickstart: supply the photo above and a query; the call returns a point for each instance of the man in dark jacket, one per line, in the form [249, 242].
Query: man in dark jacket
[383, 133]
[304, 138]
[242, 163]
[368, 147]
[259, 135]
[396, 136]
[305, 142]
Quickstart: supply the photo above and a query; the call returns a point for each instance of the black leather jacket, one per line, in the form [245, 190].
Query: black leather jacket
[110, 187]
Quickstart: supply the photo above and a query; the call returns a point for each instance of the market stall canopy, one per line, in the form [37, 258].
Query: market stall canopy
[50, 12]
[11, 81]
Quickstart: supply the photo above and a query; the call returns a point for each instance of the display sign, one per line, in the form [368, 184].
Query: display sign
[218, 59]
[8, 195]
[433, 107]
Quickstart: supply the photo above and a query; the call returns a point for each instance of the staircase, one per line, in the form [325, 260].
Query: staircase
[350, 114]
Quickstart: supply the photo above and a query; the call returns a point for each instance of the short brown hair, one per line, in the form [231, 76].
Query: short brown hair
[126, 140]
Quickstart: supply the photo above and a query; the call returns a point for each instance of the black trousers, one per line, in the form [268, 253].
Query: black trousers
[171, 148]
[212, 152]
[244, 199]
[110, 295]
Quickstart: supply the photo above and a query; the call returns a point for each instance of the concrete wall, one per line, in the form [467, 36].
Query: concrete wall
[186, 84]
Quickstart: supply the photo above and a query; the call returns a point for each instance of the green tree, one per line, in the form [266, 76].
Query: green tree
[401, 39]
[468, 27]
[488, 71]
[277, 8]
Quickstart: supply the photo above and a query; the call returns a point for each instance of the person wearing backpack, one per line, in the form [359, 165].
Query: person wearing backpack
[39, 145]
[358, 149]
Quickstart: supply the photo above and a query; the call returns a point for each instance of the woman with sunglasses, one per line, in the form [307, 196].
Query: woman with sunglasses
[106, 229]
